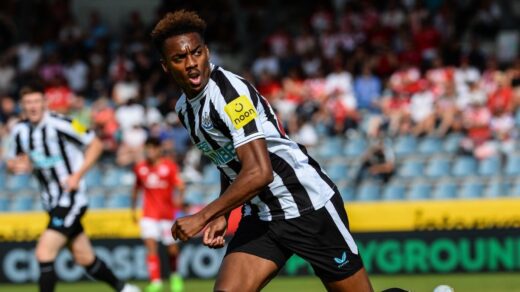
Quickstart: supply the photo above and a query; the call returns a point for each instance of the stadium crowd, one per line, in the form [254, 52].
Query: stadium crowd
[347, 68]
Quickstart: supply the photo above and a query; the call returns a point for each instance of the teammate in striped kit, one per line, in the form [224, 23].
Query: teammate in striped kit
[290, 206]
[59, 151]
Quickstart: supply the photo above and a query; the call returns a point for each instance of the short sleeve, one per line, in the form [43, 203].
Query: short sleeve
[14, 144]
[237, 108]
[74, 131]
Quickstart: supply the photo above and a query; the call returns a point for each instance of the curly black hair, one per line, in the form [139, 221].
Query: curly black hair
[177, 23]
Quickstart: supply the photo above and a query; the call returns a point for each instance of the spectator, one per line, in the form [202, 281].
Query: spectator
[126, 89]
[59, 96]
[367, 88]
[377, 163]
[7, 75]
[76, 72]
[265, 62]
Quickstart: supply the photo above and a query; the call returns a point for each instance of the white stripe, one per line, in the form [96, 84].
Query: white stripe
[285, 198]
[341, 226]
[73, 213]
[264, 212]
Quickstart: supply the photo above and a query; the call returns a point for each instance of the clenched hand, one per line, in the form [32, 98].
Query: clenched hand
[186, 227]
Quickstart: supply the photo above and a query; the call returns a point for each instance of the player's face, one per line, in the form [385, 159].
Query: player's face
[186, 59]
[34, 106]
[152, 152]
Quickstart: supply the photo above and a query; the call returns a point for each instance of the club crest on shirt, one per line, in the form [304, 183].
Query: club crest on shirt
[206, 122]
[241, 111]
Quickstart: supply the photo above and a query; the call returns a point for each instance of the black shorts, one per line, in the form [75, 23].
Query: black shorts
[67, 221]
[320, 237]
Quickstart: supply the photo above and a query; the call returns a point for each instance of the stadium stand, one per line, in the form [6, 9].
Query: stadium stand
[430, 84]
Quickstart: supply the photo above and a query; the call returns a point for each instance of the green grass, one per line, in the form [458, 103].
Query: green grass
[461, 282]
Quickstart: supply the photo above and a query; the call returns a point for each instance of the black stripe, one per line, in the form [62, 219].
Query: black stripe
[254, 209]
[233, 164]
[70, 138]
[223, 173]
[217, 121]
[31, 142]
[61, 117]
[63, 152]
[191, 121]
[181, 119]
[52, 169]
[226, 88]
[291, 182]
[317, 167]
[18, 139]
[250, 128]
[256, 97]
[230, 93]
[252, 92]
[275, 208]
[37, 172]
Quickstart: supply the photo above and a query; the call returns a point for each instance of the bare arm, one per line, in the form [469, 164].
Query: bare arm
[255, 175]
[92, 153]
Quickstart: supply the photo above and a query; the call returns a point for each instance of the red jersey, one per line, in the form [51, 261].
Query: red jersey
[158, 182]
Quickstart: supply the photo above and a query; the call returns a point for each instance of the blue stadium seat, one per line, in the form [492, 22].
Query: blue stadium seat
[430, 145]
[93, 178]
[330, 148]
[337, 171]
[194, 195]
[112, 177]
[355, 147]
[464, 166]
[394, 191]
[445, 189]
[411, 168]
[419, 191]
[22, 203]
[211, 194]
[489, 166]
[452, 143]
[471, 189]
[513, 165]
[438, 167]
[368, 191]
[496, 188]
[18, 182]
[4, 204]
[515, 190]
[517, 118]
[3, 178]
[348, 193]
[119, 201]
[97, 201]
[211, 175]
[405, 145]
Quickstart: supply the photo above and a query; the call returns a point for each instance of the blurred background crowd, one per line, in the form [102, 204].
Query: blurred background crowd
[383, 83]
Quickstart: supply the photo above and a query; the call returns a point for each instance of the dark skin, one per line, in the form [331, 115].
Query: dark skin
[186, 59]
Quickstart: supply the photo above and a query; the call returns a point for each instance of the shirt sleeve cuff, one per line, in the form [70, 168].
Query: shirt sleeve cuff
[248, 139]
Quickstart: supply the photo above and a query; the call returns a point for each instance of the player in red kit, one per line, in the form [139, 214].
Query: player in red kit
[158, 177]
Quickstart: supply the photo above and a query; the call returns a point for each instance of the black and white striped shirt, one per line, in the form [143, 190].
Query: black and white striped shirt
[55, 148]
[228, 113]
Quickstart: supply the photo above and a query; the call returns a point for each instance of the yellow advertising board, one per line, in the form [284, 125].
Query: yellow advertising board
[363, 217]
[434, 215]
[97, 223]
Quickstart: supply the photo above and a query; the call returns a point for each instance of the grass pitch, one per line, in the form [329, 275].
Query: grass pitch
[504, 282]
